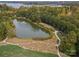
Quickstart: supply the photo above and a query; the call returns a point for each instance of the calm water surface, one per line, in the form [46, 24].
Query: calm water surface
[26, 30]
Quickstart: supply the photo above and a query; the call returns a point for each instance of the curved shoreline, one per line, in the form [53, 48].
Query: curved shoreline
[46, 28]
[41, 26]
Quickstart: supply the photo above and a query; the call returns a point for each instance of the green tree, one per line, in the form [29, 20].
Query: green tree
[3, 32]
[68, 43]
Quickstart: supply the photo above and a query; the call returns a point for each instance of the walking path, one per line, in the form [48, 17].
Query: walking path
[59, 41]
[49, 45]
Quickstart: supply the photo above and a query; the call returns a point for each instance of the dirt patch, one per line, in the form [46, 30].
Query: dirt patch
[37, 45]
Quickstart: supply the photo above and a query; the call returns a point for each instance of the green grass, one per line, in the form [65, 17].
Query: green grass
[13, 50]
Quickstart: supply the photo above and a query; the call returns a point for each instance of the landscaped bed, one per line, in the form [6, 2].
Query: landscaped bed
[13, 50]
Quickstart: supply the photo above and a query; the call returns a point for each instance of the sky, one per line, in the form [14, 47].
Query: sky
[14, 5]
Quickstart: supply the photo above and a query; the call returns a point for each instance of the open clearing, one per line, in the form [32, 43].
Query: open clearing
[48, 45]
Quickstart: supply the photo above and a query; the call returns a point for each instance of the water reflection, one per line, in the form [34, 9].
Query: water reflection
[26, 30]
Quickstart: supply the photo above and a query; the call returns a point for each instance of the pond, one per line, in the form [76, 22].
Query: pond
[26, 30]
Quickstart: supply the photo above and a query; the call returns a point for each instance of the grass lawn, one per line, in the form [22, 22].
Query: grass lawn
[13, 50]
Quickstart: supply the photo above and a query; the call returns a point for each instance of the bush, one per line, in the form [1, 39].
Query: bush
[3, 32]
